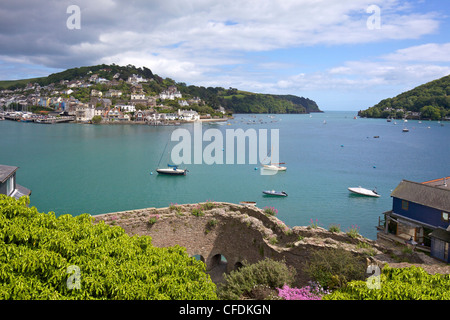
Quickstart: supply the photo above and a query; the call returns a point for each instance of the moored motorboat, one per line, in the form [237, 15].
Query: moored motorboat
[274, 167]
[364, 192]
[275, 193]
[172, 170]
[248, 203]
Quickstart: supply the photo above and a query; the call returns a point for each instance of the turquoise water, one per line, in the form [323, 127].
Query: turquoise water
[75, 168]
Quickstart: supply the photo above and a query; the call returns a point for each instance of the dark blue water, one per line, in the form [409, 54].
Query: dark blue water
[74, 168]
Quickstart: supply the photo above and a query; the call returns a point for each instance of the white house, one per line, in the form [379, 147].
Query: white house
[188, 115]
[127, 108]
[137, 96]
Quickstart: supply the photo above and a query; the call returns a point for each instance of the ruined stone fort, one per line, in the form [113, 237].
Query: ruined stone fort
[225, 235]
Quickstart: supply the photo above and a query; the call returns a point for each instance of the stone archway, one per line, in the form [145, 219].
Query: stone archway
[217, 267]
[199, 257]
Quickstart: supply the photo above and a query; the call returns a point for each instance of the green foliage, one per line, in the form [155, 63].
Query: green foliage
[267, 272]
[96, 119]
[37, 249]
[333, 268]
[412, 283]
[432, 99]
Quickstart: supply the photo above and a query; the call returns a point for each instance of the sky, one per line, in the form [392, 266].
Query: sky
[343, 54]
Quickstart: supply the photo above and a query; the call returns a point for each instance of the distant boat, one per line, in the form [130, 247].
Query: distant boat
[364, 192]
[275, 193]
[405, 130]
[273, 166]
[324, 121]
[172, 170]
[248, 203]
[388, 120]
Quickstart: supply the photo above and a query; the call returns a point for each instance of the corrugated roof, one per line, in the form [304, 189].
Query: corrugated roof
[424, 194]
[6, 172]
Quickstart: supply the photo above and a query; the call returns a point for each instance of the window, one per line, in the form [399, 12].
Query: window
[10, 186]
[445, 216]
[405, 205]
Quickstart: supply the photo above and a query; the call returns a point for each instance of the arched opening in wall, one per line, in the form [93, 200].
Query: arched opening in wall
[199, 257]
[217, 268]
[238, 265]
[218, 261]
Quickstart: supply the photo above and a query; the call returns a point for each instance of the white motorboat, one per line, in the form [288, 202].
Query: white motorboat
[364, 192]
[273, 166]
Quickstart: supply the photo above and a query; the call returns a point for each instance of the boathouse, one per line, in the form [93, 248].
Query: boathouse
[8, 184]
[420, 215]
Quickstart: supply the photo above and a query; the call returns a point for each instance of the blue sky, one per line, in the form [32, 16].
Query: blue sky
[324, 50]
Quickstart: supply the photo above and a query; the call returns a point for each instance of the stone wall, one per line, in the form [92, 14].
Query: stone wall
[216, 232]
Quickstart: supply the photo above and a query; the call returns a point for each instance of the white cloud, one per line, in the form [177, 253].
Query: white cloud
[431, 52]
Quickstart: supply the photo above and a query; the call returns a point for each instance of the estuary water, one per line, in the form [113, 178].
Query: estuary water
[80, 168]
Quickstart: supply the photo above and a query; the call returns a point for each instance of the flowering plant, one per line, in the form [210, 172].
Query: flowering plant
[270, 210]
[353, 232]
[311, 292]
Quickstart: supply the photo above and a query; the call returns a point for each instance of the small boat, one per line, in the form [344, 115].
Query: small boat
[273, 166]
[248, 203]
[364, 192]
[172, 170]
[405, 130]
[275, 193]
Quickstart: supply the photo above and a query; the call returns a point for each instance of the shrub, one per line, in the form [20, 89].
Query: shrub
[353, 232]
[153, 218]
[37, 250]
[333, 268]
[241, 283]
[411, 283]
[208, 205]
[197, 211]
[335, 228]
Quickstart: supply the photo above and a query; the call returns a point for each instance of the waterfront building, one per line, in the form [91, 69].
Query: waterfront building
[8, 183]
[420, 213]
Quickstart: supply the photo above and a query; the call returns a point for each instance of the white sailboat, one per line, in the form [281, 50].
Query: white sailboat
[274, 166]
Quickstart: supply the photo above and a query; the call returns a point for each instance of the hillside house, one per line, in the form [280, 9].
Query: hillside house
[8, 183]
[420, 212]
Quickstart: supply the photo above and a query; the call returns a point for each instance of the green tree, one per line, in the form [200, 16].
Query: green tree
[431, 112]
[39, 252]
[96, 119]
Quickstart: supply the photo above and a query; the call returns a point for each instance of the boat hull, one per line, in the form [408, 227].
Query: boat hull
[364, 192]
[172, 172]
[274, 168]
[275, 193]
[247, 203]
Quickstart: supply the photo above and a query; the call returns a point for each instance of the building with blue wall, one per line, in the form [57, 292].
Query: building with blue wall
[421, 212]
